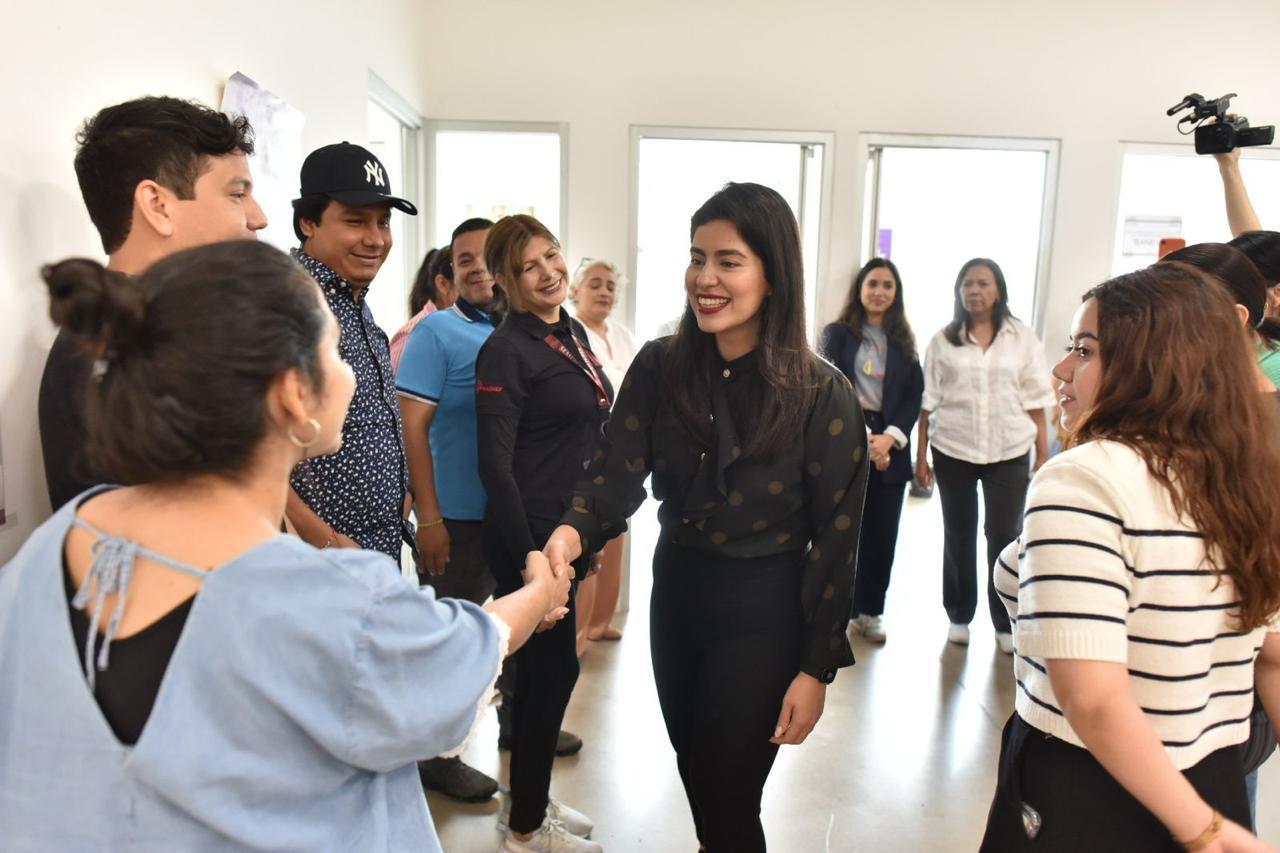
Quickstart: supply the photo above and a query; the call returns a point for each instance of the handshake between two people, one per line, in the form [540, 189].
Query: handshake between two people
[552, 568]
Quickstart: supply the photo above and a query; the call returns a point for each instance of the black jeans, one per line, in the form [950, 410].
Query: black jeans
[881, 513]
[546, 669]
[1004, 493]
[1081, 806]
[726, 637]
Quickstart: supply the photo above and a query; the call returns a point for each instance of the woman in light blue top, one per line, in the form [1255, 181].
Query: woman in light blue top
[176, 674]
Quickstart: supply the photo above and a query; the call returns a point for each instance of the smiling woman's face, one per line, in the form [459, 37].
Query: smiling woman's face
[543, 277]
[725, 281]
[879, 289]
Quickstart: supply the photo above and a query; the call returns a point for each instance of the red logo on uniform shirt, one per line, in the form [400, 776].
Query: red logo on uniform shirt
[488, 389]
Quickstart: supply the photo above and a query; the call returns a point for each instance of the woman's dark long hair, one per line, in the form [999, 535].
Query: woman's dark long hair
[1174, 364]
[766, 224]
[895, 325]
[1241, 276]
[1263, 248]
[424, 284]
[960, 320]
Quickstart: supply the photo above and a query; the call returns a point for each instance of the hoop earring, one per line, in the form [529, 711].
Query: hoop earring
[315, 435]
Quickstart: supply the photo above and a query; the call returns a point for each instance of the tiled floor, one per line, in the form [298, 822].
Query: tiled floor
[902, 760]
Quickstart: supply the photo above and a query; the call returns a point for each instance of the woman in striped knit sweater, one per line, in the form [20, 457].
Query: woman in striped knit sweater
[1145, 587]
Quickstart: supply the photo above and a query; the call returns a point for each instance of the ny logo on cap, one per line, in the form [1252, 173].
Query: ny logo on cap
[373, 173]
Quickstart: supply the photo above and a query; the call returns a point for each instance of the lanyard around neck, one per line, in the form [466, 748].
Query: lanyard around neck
[588, 364]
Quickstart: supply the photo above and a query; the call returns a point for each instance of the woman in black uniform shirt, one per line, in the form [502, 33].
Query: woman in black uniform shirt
[758, 454]
[541, 402]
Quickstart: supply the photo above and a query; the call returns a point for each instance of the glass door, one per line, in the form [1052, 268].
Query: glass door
[934, 206]
[676, 175]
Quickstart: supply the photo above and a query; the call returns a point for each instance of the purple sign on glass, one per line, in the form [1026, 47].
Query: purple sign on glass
[884, 243]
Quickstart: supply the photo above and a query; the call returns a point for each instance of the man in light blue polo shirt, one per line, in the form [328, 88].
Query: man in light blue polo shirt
[436, 388]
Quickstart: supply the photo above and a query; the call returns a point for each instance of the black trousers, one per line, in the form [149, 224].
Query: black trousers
[467, 575]
[546, 669]
[1004, 493]
[1082, 807]
[881, 513]
[726, 639]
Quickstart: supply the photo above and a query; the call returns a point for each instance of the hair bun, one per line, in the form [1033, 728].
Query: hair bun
[95, 303]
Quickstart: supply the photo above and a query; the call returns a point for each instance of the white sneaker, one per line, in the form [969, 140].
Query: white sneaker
[572, 819]
[551, 837]
[873, 629]
[958, 634]
[1005, 642]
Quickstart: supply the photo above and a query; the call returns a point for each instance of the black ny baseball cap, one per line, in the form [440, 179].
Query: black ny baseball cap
[350, 174]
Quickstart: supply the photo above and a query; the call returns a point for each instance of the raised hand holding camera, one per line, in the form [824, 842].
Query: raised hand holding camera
[1216, 130]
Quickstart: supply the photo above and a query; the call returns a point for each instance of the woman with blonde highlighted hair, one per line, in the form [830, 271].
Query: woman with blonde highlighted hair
[1145, 586]
[542, 399]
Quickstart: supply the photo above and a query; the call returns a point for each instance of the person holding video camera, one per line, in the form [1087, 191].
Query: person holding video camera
[1261, 247]
[1223, 134]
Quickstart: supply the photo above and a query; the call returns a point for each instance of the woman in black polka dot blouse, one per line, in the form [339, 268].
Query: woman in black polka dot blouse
[758, 455]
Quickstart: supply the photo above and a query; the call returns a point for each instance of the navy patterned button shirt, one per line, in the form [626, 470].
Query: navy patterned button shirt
[360, 489]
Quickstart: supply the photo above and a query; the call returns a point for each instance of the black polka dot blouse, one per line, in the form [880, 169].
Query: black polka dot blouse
[807, 499]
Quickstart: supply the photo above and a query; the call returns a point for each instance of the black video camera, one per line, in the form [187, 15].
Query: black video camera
[1223, 134]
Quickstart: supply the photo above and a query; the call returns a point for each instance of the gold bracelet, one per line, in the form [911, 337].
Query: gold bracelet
[423, 525]
[333, 534]
[1210, 834]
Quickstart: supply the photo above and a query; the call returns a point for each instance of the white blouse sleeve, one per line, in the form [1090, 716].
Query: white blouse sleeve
[933, 373]
[1033, 384]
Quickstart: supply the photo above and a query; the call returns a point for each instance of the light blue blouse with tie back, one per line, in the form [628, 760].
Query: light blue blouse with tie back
[303, 688]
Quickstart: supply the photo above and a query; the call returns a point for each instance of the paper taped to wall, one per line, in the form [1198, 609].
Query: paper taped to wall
[277, 155]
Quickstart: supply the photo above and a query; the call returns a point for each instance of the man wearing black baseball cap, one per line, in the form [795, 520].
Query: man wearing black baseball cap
[355, 498]
[359, 497]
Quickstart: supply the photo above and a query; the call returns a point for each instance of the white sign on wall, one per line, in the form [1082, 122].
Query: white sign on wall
[277, 155]
[1142, 234]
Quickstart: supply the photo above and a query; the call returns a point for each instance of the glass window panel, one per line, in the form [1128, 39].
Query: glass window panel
[389, 293]
[942, 206]
[1185, 188]
[493, 174]
[676, 177]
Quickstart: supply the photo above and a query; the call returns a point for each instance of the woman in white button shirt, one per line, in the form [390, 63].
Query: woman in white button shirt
[593, 292]
[986, 389]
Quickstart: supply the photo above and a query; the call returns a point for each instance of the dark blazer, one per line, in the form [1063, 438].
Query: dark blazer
[903, 390]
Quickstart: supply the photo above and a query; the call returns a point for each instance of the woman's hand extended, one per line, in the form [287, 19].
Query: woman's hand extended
[563, 547]
[539, 572]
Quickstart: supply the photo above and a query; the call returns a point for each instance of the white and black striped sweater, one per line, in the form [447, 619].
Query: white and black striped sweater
[1105, 570]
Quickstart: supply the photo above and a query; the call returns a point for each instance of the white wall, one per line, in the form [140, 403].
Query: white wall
[65, 60]
[1089, 73]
